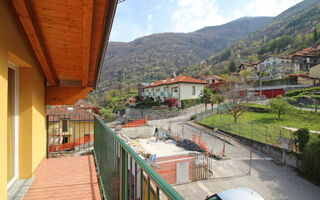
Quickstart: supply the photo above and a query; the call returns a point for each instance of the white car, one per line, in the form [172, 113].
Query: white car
[236, 194]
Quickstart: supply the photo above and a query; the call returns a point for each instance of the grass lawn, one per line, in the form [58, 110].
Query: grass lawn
[264, 127]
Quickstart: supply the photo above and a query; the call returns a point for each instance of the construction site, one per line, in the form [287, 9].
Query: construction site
[176, 159]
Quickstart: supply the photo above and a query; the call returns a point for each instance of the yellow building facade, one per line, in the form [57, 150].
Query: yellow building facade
[22, 105]
[44, 62]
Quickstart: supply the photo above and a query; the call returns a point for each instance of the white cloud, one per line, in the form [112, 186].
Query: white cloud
[149, 25]
[268, 8]
[191, 15]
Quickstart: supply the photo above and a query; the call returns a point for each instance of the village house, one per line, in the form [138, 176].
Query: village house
[252, 67]
[213, 79]
[276, 67]
[305, 59]
[179, 87]
[69, 127]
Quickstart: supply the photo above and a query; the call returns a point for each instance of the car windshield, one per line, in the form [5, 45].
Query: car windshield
[214, 197]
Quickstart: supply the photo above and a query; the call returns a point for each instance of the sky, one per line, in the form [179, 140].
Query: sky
[138, 18]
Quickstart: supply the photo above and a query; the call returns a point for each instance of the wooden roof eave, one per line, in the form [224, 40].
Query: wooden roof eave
[107, 25]
[68, 91]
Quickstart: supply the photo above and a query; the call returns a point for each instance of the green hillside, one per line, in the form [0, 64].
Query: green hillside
[288, 32]
[159, 55]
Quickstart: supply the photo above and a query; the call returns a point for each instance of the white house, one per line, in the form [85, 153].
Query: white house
[179, 87]
[276, 67]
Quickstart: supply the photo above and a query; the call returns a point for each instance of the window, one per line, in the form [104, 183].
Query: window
[65, 140]
[64, 125]
[193, 90]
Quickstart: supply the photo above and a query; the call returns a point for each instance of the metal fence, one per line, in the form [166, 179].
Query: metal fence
[67, 134]
[123, 174]
[262, 132]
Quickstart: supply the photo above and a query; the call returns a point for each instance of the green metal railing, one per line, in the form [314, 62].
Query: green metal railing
[162, 93]
[123, 174]
[169, 94]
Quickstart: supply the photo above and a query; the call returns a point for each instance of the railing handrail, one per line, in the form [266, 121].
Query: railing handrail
[162, 184]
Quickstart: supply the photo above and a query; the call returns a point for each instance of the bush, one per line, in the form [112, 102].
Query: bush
[257, 108]
[302, 136]
[295, 93]
[273, 82]
[107, 114]
[310, 165]
[171, 102]
[186, 103]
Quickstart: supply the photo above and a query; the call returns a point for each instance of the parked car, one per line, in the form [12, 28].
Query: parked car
[236, 194]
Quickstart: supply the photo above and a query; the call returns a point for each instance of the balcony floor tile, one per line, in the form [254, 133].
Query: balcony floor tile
[65, 178]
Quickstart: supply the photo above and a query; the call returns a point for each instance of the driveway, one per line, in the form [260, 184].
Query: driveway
[268, 178]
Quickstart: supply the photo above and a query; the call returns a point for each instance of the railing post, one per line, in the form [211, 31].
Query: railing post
[47, 145]
[123, 175]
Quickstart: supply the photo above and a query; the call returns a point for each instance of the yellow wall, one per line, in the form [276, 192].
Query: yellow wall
[315, 72]
[32, 134]
[305, 81]
[75, 128]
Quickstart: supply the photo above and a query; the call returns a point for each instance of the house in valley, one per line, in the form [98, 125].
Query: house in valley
[276, 67]
[69, 127]
[179, 87]
[213, 79]
[305, 59]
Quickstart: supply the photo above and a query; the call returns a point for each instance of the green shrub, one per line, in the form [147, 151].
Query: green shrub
[107, 114]
[295, 93]
[310, 165]
[302, 136]
[186, 103]
[273, 82]
[257, 108]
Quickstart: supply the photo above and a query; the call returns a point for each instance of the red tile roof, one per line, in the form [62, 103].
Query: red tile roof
[177, 79]
[68, 112]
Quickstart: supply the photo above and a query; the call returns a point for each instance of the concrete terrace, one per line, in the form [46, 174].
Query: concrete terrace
[65, 178]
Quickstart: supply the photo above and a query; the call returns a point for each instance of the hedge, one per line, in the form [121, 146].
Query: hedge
[186, 103]
[295, 93]
[273, 82]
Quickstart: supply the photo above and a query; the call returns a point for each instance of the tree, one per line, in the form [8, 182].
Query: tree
[245, 74]
[235, 92]
[225, 70]
[315, 34]
[232, 66]
[107, 114]
[171, 102]
[302, 136]
[206, 96]
[280, 106]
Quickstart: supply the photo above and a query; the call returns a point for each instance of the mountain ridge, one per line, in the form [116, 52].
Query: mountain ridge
[157, 56]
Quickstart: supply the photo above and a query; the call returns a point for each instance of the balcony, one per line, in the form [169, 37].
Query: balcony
[120, 173]
[123, 174]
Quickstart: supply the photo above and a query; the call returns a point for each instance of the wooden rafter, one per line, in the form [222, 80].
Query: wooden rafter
[23, 11]
[87, 13]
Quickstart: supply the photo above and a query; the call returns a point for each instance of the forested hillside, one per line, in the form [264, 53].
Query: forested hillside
[158, 56]
[294, 29]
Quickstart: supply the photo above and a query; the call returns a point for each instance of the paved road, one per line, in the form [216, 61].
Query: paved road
[270, 180]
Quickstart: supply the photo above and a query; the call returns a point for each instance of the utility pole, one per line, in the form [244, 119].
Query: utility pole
[120, 83]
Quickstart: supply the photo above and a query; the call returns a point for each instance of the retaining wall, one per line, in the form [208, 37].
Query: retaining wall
[289, 158]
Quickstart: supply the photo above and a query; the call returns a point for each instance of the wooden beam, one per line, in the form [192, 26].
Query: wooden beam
[65, 95]
[87, 13]
[24, 14]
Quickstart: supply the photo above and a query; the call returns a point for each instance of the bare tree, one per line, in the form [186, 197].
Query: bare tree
[236, 93]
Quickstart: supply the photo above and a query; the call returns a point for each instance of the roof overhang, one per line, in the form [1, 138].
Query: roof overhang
[69, 41]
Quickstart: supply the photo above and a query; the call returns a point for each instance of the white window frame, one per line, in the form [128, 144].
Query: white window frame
[16, 126]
